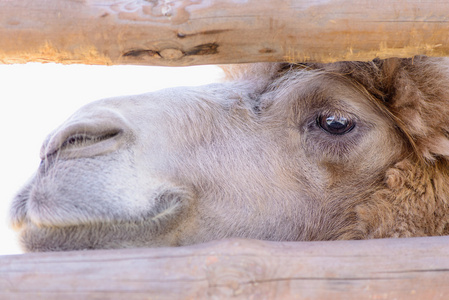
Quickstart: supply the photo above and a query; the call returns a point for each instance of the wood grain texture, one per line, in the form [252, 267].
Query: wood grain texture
[416, 268]
[190, 32]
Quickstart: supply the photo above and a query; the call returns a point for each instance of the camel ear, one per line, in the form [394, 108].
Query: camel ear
[416, 91]
[388, 70]
[257, 75]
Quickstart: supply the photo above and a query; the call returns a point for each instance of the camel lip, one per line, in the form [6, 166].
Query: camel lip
[29, 213]
[155, 218]
[18, 210]
[30, 225]
[17, 225]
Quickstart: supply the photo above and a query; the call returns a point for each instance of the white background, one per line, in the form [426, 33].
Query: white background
[36, 98]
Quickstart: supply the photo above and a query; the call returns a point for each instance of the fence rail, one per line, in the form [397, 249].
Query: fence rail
[191, 32]
[415, 268]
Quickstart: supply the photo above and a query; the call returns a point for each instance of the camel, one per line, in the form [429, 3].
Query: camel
[277, 151]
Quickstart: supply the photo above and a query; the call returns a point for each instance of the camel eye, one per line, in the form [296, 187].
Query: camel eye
[334, 124]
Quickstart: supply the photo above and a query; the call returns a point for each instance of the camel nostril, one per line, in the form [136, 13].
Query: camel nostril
[88, 134]
[83, 143]
[79, 140]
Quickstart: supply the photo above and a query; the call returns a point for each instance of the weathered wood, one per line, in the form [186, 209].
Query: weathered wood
[416, 268]
[186, 32]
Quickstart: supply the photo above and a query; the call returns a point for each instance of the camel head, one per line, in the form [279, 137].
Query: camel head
[278, 152]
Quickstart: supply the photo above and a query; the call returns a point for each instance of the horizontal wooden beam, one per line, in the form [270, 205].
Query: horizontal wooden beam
[416, 268]
[186, 32]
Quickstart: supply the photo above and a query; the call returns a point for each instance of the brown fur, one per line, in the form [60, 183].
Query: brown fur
[247, 158]
[414, 93]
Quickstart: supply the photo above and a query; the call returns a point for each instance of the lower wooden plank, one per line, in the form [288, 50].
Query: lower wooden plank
[415, 268]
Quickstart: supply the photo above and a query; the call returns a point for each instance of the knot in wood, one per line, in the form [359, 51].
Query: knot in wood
[171, 54]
